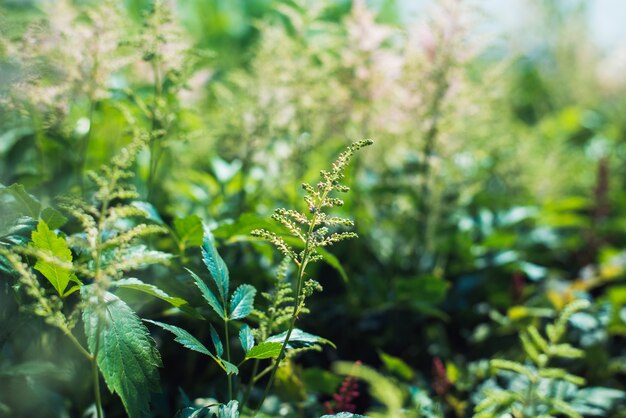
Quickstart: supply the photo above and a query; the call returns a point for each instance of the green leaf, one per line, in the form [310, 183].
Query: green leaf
[229, 367]
[136, 284]
[344, 415]
[334, 262]
[29, 205]
[265, 350]
[31, 368]
[151, 212]
[208, 295]
[125, 353]
[299, 339]
[512, 366]
[215, 264]
[231, 410]
[183, 337]
[242, 301]
[320, 380]
[187, 340]
[53, 218]
[189, 230]
[217, 343]
[397, 366]
[246, 338]
[47, 241]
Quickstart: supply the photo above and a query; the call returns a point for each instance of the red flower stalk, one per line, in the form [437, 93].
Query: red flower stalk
[518, 286]
[343, 400]
[441, 383]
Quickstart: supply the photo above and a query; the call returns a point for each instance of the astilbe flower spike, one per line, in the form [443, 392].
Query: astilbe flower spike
[343, 400]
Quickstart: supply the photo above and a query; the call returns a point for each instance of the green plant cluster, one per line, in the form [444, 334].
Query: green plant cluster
[160, 183]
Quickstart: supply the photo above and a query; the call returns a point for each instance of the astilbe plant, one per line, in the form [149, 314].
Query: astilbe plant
[104, 252]
[540, 386]
[313, 230]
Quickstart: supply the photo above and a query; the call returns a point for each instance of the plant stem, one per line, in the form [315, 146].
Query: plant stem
[96, 376]
[78, 345]
[230, 378]
[297, 302]
[246, 395]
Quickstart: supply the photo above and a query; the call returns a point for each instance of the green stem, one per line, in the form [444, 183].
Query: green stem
[297, 302]
[78, 345]
[230, 378]
[246, 395]
[96, 376]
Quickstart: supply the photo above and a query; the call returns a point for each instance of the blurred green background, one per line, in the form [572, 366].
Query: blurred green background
[495, 187]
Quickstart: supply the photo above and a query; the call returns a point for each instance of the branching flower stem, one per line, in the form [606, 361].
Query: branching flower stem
[308, 246]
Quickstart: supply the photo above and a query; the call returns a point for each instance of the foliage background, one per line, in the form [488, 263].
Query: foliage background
[494, 190]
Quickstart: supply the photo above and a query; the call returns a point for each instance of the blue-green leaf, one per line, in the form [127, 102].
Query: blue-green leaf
[151, 212]
[217, 343]
[265, 350]
[229, 367]
[183, 337]
[186, 339]
[136, 284]
[242, 301]
[125, 353]
[231, 410]
[208, 295]
[246, 338]
[299, 339]
[215, 264]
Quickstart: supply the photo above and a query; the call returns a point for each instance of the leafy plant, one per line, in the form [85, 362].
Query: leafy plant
[536, 387]
[104, 252]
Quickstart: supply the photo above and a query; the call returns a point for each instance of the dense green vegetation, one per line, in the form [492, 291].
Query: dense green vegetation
[182, 185]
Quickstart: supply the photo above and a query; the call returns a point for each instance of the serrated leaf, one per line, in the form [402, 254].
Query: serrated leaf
[136, 284]
[299, 339]
[126, 355]
[246, 338]
[189, 230]
[265, 350]
[229, 367]
[183, 337]
[53, 218]
[216, 265]
[191, 412]
[187, 340]
[242, 301]
[208, 295]
[217, 343]
[230, 410]
[47, 241]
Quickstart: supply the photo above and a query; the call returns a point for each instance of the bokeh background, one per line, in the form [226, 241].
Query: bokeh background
[494, 192]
